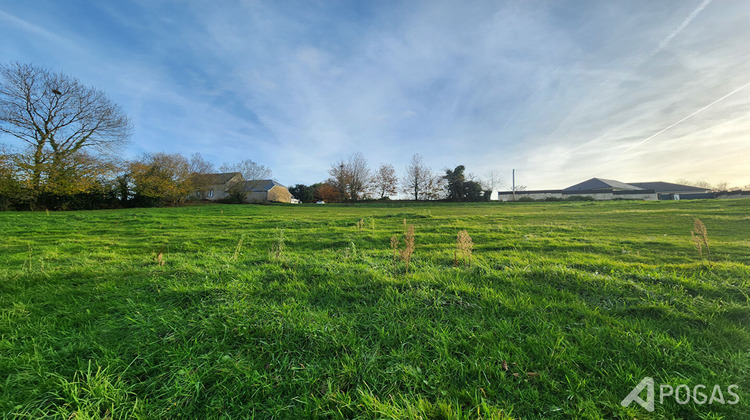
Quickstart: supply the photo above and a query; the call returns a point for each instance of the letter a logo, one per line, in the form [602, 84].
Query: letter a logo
[634, 395]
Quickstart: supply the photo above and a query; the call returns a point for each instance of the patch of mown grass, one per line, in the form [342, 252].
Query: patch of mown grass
[564, 309]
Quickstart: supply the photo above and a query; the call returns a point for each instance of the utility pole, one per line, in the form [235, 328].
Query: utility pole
[514, 185]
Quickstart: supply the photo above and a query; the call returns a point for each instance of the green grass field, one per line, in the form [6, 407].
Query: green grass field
[296, 312]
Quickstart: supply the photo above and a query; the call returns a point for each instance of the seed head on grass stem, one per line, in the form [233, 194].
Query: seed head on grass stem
[406, 253]
[464, 246]
[408, 246]
[394, 247]
[699, 235]
[160, 255]
[237, 250]
[277, 249]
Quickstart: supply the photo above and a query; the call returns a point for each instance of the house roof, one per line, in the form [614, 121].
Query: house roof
[260, 185]
[215, 179]
[668, 186]
[595, 184]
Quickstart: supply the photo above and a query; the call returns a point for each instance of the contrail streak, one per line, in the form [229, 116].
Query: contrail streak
[689, 116]
[638, 62]
[664, 42]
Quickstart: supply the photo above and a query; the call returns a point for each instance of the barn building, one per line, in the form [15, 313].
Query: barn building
[608, 189]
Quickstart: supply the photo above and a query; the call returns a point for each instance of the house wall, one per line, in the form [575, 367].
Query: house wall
[596, 196]
[279, 195]
[531, 194]
[276, 194]
[733, 194]
[219, 190]
[256, 197]
[648, 196]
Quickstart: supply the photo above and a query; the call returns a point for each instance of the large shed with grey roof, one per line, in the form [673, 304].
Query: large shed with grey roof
[266, 190]
[609, 189]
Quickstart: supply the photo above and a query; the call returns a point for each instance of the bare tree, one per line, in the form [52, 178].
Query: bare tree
[420, 180]
[385, 181]
[351, 178]
[359, 176]
[339, 181]
[721, 186]
[58, 121]
[699, 184]
[493, 181]
[434, 187]
[249, 169]
[198, 165]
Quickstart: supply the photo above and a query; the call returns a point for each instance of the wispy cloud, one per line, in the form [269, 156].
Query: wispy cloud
[30, 29]
[558, 90]
[687, 117]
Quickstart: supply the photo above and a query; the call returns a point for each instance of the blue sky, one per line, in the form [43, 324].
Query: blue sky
[561, 91]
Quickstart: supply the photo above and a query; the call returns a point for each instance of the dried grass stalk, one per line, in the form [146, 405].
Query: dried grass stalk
[464, 246]
[237, 250]
[406, 253]
[394, 247]
[408, 246]
[160, 256]
[699, 235]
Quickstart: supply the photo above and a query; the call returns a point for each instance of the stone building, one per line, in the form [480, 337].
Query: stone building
[214, 187]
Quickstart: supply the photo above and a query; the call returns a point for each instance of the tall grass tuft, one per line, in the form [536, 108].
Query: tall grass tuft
[699, 235]
[406, 253]
[160, 255]
[277, 248]
[237, 250]
[96, 395]
[464, 246]
[394, 247]
[408, 246]
[30, 259]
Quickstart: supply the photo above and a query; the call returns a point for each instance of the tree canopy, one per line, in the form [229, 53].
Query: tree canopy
[62, 127]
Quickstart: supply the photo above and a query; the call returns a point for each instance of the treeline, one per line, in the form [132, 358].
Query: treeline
[152, 180]
[352, 180]
[66, 140]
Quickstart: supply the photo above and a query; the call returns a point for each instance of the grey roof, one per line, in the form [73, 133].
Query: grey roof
[597, 184]
[668, 186]
[215, 179]
[260, 185]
